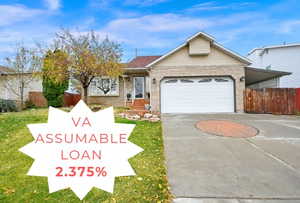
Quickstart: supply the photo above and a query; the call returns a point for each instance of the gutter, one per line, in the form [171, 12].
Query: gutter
[139, 68]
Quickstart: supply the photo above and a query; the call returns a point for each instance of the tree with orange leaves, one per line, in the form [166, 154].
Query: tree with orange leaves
[84, 57]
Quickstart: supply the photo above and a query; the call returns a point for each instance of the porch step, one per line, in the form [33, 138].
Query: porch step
[140, 102]
[138, 107]
[137, 104]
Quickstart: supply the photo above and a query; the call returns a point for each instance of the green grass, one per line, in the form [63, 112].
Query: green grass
[149, 185]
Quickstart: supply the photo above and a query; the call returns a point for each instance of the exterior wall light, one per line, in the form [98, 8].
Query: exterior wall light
[242, 79]
[153, 81]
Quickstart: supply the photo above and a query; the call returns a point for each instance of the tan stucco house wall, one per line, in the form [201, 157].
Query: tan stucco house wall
[12, 92]
[182, 64]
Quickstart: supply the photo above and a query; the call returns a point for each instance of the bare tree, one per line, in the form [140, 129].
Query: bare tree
[106, 85]
[24, 64]
[86, 57]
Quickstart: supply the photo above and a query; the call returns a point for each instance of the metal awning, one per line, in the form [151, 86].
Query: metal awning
[255, 75]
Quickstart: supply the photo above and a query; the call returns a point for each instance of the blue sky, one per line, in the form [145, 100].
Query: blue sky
[152, 26]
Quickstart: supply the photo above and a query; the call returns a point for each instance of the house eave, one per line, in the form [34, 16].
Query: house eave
[136, 70]
[274, 47]
[13, 73]
[233, 54]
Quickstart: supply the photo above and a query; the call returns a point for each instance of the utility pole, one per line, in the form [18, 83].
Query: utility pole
[136, 52]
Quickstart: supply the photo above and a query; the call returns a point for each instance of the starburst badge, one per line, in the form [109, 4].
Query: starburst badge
[81, 149]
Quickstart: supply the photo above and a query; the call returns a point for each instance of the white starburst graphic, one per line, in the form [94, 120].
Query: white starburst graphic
[81, 149]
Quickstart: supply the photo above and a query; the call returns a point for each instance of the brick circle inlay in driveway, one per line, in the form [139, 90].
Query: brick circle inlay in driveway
[226, 128]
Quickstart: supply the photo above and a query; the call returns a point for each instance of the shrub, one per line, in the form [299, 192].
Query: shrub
[53, 91]
[29, 104]
[7, 105]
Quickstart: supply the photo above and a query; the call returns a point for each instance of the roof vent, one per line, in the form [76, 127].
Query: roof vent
[199, 46]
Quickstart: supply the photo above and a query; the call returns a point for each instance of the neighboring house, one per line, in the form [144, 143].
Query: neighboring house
[199, 76]
[283, 58]
[11, 91]
[5, 70]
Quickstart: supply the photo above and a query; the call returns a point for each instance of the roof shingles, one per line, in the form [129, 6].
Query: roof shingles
[141, 61]
[4, 70]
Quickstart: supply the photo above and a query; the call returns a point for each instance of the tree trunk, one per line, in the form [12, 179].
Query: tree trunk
[22, 95]
[85, 94]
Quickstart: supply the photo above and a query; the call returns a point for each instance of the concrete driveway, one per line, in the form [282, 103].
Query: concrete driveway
[208, 168]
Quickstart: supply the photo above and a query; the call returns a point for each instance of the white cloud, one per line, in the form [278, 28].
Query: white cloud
[158, 23]
[153, 31]
[236, 18]
[28, 34]
[207, 6]
[230, 35]
[141, 3]
[53, 4]
[289, 26]
[10, 14]
[213, 5]
[19, 23]
[144, 2]
[165, 30]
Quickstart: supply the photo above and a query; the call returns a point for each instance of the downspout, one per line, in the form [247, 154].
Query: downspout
[124, 86]
[150, 88]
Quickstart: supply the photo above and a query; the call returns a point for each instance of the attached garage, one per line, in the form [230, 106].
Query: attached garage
[197, 95]
[199, 76]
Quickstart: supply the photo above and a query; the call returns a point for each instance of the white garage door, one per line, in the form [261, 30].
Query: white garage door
[197, 95]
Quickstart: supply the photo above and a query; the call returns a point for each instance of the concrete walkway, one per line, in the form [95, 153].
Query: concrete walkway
[206, 168]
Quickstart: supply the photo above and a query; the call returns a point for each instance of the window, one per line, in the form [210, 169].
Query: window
[104, 86]
[171, 81]
[221, 80]
[186, 81]
[205, 80]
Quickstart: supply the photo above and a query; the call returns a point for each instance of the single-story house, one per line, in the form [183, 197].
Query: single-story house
[198, 76]
[10, 83]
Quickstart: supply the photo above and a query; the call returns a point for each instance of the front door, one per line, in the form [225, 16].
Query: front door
[139, 85]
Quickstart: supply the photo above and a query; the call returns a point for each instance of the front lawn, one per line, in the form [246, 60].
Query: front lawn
[149, 185]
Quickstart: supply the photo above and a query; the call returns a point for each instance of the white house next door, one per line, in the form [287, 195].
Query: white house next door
[197, 95]
[139, 87]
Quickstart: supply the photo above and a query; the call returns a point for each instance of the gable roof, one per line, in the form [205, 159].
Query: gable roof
[141, 61]
[275, 47]
[214, 43]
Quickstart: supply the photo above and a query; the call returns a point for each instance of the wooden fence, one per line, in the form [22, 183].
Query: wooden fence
[38, 99]
[283, 101]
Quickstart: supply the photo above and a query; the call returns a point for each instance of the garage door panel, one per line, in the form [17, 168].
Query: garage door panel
[192, 96]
